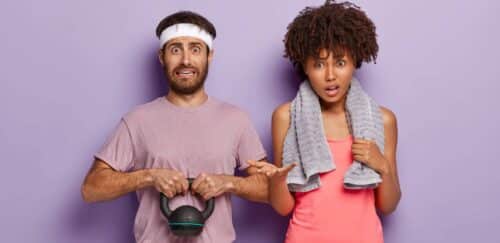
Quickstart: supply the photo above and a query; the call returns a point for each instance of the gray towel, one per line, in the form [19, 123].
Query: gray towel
[306, 143]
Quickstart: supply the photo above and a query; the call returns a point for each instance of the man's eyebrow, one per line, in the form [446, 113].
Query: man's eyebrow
[176, 44]
[195, 43]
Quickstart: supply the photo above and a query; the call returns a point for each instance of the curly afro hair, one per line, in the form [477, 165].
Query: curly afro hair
[338, 27]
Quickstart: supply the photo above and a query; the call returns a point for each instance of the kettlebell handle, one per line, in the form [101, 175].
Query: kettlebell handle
[165, 209]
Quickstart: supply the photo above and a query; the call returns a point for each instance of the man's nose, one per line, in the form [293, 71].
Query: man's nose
[186, 59]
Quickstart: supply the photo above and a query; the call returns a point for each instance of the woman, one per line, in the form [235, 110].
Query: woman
[327, 44]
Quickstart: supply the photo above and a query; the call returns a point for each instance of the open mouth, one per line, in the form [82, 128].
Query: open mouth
[332, 90]
[185, 73]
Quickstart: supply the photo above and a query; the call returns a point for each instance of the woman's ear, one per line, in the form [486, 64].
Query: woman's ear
[303, 65]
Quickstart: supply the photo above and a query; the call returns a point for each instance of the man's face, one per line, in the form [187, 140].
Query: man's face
[185, 60]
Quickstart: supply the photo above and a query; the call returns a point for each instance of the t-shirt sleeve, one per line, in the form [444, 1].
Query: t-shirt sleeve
[118, 151]
[249, 146]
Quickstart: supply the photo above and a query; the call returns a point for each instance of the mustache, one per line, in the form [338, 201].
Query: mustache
[182, 66]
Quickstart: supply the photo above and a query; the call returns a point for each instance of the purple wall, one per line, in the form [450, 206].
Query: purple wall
[70, 69]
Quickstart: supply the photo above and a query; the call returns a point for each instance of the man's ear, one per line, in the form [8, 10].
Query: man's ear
[160, 58]
[210, 55]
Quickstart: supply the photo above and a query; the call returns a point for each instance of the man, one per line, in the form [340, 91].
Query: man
[186, 134]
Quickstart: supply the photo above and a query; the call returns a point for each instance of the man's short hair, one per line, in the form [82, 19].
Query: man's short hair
[186, 17]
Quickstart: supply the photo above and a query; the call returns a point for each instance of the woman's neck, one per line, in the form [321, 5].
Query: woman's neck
[334, 107]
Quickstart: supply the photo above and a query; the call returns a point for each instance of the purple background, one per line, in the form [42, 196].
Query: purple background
[70, 69]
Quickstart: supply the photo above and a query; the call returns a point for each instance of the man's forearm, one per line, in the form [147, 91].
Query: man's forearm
[252, 187]
[106, 184]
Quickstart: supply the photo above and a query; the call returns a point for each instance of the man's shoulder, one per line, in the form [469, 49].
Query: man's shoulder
[142, 111]
[230, 110]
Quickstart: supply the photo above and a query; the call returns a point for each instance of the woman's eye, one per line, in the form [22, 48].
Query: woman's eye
[341, 63]
[318, 65]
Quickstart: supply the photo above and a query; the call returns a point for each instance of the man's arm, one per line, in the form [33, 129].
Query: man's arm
[103, 183]
[252, 187]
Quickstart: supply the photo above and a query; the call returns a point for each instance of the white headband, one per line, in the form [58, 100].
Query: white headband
[189, 30]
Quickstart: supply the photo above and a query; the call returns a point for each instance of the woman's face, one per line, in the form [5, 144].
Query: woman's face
[330, 76]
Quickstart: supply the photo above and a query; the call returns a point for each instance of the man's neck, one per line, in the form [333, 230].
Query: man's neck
[191, 100]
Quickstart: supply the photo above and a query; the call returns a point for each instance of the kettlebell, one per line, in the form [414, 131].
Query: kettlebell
[186, 220]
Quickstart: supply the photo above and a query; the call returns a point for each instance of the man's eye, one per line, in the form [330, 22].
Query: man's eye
[196, 49]
[175, 50]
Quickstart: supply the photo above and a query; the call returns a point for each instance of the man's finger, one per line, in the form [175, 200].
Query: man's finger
[207, 195]
[177, 187]
[200, 188]
[219, 192]
[185, 185]
[167, 192]
[204, 187]
[197, 181]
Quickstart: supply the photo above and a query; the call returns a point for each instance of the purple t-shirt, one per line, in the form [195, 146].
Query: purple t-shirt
[214, 137]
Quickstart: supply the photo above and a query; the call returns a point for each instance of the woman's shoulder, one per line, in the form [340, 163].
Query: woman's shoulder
[282, 113]
[389, 118]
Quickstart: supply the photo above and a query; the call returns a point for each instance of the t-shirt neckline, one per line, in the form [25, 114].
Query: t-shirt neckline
[201, 107]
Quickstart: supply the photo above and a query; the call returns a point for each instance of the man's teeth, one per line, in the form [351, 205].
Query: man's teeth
[186, 72]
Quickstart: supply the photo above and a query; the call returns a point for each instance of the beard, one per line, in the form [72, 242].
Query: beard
[183, 86]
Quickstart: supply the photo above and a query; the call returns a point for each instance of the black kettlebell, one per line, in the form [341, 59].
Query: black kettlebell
[186, 220]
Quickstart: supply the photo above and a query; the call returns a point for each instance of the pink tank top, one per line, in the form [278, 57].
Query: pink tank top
[334, 214]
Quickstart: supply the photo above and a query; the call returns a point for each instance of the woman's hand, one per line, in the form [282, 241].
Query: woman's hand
[270, 170]
[367, 152]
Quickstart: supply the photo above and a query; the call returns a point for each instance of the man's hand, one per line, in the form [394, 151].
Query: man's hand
[169, 182]
[208, 185]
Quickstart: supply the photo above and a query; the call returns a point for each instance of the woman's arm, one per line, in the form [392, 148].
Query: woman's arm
[280, 197]
[388, 193]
